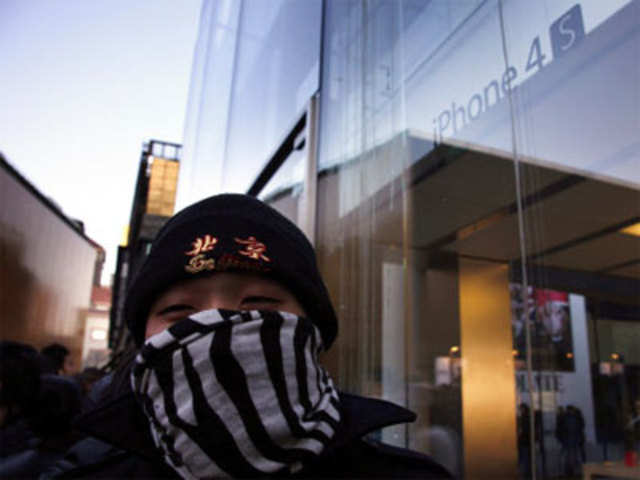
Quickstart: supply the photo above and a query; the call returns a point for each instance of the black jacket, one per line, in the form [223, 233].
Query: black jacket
[23, 453]
[29, 446]
[120, 445]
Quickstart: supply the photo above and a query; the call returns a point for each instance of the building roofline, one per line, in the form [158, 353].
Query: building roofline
[4, 163]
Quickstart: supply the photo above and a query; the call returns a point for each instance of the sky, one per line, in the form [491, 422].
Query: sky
[82, 85]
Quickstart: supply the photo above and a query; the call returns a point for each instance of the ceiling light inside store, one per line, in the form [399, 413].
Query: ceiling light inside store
[632, 229]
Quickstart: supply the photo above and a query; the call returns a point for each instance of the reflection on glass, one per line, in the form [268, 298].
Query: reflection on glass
[276, 72]
[577, 253]
[206, 121]
[419, 232]
[284, 190]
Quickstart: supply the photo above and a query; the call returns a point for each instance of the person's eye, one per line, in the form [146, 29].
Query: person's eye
[178, 307]
[257, 301]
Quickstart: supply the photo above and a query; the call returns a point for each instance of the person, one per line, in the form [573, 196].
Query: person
[57, 359]
[524, 440]
[574, 434]
[19, 389]
[31, 440]
[86, 379]
[561, 434]
[230, 314]
[582, 442]
[632, 435]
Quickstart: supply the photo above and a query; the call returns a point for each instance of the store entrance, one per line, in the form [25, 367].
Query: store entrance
[426, 268]
[576, 327]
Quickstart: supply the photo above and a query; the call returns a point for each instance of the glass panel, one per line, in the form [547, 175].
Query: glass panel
[425, 320]
[284, 190]
[276, 73]
[205, 130]
[424, 231]
[576, 113]
[578, 85]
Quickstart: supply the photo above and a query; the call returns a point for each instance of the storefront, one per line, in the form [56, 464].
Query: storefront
[469, 173]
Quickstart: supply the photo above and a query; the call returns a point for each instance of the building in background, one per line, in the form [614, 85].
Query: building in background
[153, 204]
[469, 173]
[48, 268]
[96, 351]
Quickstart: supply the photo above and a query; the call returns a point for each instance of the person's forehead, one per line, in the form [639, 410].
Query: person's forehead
[222, 281]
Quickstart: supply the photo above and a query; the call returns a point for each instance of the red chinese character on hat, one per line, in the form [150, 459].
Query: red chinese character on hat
[202, 244]
[253, 249]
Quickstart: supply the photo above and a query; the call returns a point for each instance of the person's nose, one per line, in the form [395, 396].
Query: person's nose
[218, 300]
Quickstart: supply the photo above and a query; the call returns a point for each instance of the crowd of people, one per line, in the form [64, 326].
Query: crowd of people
[569, 432]
[40, 394]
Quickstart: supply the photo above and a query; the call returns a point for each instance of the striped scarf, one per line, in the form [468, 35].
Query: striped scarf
[237, 394]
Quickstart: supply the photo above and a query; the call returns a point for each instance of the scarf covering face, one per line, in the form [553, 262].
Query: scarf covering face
[237, 394]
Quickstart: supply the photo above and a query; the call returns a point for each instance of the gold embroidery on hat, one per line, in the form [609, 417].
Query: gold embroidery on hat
[232, 262]
[202, 244]
[253, 249]
[199, 263]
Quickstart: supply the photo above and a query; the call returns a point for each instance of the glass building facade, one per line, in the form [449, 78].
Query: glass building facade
[469, 173]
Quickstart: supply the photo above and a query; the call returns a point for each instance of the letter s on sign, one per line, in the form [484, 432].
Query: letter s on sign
[565, 31]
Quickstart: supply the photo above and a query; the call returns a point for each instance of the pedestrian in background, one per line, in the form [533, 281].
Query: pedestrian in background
[23, 449]
[57, 359]
[574, 434]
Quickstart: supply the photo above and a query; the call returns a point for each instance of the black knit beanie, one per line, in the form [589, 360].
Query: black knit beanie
[230, 232]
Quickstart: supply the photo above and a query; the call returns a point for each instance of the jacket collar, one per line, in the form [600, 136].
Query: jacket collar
[122, 423]
[361, 416]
